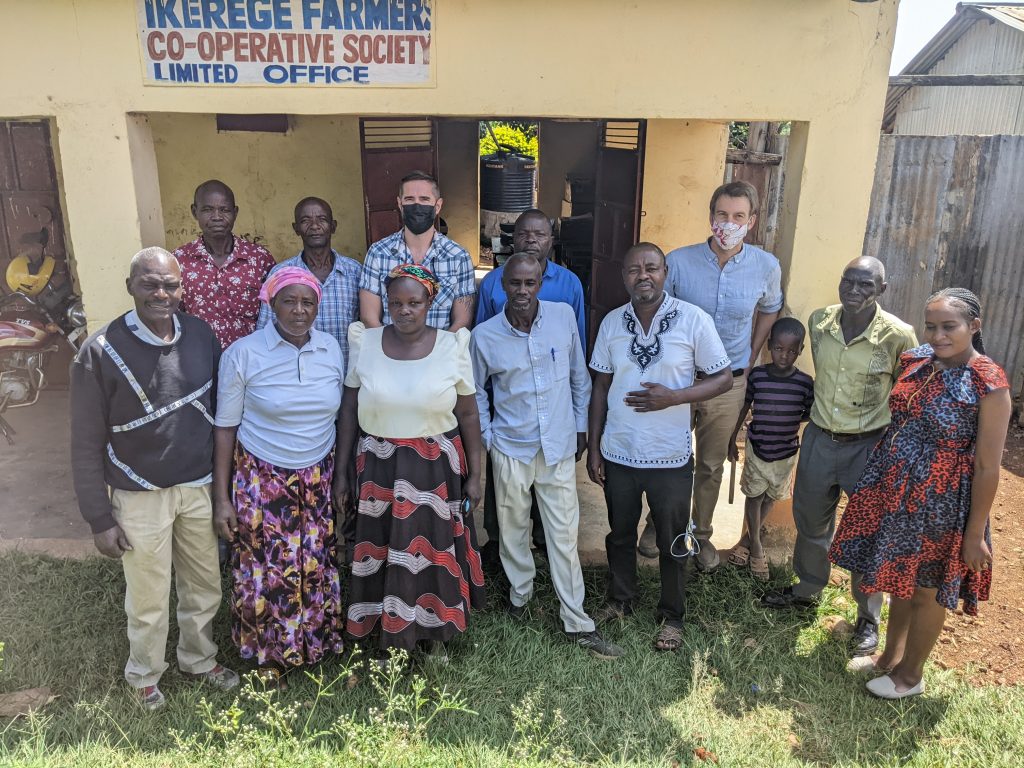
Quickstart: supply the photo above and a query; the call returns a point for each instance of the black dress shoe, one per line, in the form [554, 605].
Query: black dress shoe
[786, 599]
[865, 638]
[517, 612]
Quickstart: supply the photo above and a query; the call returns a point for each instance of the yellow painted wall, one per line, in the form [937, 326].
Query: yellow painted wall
[684, 163]
[458, 171]
[824, 63]
[268, 172]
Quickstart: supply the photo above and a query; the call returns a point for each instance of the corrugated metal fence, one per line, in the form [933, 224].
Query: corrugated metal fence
[949, 210]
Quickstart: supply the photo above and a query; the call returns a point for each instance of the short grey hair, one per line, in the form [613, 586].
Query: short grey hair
[145, 255]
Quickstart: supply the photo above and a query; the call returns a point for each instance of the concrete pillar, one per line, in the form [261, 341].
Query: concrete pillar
[684, 162]
[112, 196]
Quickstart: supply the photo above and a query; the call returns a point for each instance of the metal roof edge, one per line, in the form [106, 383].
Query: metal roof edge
[965, 17]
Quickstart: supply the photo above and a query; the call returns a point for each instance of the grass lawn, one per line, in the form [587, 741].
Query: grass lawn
[747, 688]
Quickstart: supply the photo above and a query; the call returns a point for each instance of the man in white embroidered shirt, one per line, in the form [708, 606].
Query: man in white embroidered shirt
[531, 355]
[645, 359]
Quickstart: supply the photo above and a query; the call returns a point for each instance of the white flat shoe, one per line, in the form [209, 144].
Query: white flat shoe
[861, 665]
[884, 688]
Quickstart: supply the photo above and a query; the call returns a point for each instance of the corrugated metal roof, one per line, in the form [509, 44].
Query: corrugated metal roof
[967, 14]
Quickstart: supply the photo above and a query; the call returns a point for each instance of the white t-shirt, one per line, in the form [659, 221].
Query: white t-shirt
[682, 339]
[408, 398]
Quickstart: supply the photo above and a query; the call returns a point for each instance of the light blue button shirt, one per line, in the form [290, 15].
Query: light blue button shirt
[539, 382]
[750, 282]
[284, 400]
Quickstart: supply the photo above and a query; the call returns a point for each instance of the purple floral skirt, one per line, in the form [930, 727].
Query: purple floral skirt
[286, 595]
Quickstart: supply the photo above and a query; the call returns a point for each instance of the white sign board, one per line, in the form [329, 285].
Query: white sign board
[286, 42]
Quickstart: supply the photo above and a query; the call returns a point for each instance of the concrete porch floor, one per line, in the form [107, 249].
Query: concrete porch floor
[38, 511]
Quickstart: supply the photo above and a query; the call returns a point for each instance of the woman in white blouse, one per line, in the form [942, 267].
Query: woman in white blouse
[415, 568]
[278, 396]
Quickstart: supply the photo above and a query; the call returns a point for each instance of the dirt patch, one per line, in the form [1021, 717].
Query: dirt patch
[988, 647]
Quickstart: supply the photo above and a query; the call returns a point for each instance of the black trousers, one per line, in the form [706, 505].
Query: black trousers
[668, 495]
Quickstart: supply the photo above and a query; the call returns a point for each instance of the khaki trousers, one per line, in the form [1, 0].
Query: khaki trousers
[555, 488]
[169, 528]
[714, 420]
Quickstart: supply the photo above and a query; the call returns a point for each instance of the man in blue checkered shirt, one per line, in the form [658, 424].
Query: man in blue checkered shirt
[339, 275]
[419, 243]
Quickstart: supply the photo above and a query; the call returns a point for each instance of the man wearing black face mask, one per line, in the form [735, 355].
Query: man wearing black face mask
[419, 243]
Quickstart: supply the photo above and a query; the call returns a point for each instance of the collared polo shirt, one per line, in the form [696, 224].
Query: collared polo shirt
[750, 282]
[283, 400]
[539, 382]
[681, 340]
[852, 381]
[339, 302]
[448, 260]
[557, 284]
[226, 297]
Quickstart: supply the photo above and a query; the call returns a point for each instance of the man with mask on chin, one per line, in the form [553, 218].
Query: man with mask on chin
[419, 199]
[739, 285]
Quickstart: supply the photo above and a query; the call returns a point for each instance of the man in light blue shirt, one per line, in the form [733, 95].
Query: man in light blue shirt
[739, 285]
[533, 236]
[531, 358]
[338, 275]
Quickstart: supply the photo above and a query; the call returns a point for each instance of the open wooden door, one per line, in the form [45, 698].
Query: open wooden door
[617, 196]
[392, 148]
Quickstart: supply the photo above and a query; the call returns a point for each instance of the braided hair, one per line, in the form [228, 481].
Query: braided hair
[968, 303]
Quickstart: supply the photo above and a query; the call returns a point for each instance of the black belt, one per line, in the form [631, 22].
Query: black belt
[848, 437]
[735, 374]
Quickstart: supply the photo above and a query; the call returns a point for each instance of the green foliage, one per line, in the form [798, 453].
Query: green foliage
[522, 137]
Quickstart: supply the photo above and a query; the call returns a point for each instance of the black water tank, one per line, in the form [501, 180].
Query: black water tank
[506, 181]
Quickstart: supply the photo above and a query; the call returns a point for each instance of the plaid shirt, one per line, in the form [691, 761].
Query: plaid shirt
[339, 305]
[226, 297]
[445, 258]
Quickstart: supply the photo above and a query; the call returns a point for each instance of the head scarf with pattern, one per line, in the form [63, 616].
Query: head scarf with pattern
[421, 275]
[286, 276]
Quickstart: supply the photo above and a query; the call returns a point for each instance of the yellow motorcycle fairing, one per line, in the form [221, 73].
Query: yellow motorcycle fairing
[20, 277]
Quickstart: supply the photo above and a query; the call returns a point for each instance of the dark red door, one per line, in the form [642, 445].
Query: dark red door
[617, 195]
[392, 148]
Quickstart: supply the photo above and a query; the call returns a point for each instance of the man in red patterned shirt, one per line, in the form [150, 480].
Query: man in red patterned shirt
[221, 273]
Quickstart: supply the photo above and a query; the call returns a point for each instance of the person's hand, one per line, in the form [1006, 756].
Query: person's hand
[734, 450]
[581, 445]
[473, 490]
[340, 492]
[112, 542]
[224, 521]
[976, 553]
[653, 397]
[595, 467]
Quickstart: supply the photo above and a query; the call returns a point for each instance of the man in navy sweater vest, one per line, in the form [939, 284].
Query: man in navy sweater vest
[142, 424]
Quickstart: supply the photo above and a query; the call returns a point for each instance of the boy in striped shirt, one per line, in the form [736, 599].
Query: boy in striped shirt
[780, 397]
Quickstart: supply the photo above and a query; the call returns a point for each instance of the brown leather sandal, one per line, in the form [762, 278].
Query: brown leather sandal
[739, 556]
[669, 638]
[759, 568]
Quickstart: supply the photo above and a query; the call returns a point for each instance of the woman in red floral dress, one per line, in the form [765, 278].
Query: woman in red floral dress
[917, 524]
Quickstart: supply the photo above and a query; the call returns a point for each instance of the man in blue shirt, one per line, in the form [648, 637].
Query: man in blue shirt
[530, 358]
[533, 236]
[739, 285]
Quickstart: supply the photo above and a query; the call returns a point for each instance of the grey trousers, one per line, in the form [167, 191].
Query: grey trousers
[825, 468]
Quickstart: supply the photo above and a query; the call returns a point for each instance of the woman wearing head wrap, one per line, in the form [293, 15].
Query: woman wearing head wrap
[917, 524]
[278, 396]
[416, 569]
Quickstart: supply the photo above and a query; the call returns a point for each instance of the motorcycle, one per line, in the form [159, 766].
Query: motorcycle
[40, 309]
